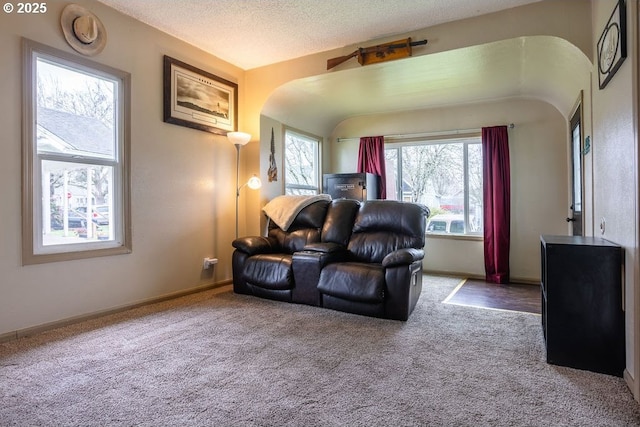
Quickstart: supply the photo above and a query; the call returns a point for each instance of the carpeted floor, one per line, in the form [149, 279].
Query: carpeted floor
[220, 359]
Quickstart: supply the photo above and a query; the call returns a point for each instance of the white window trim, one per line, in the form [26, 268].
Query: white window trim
[31, 206]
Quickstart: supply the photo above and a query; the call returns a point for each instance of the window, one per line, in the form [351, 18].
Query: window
[301, 163]
[445, 175]
[75, 144]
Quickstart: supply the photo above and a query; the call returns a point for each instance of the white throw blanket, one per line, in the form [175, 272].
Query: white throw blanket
[283, 209]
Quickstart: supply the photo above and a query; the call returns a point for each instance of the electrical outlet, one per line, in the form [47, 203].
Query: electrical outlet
[208, 262]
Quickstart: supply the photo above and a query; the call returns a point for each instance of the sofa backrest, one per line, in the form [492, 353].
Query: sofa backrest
[383, 226]
[338, 223]
[304, 229]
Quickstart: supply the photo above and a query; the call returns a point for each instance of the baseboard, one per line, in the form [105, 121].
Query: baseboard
[631, 383]
[9, 336]
[21, 333]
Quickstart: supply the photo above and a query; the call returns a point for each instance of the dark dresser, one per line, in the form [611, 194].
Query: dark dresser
[582, 303]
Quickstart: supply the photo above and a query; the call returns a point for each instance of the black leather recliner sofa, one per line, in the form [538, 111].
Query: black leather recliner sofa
[363, 258]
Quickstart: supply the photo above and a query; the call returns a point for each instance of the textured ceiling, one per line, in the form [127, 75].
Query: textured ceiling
[253, 33]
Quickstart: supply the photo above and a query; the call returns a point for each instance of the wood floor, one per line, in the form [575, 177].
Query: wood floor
[513, 297]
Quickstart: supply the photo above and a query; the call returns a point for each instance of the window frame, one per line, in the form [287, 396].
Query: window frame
[33, 249]
[317, 160]
[398, 145]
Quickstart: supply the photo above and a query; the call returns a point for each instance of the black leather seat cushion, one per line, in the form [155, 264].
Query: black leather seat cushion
[269, 271]
[353, 281]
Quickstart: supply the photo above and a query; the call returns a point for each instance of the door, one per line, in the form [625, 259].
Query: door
[576, 175]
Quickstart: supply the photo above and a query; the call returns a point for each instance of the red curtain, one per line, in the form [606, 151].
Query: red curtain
[371, 159]
[497, 203]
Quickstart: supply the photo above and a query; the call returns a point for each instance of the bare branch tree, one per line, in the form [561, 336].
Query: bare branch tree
[430, 168]
[299, 161]
[93, 99]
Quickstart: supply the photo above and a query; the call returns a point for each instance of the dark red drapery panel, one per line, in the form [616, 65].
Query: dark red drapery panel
[497, 203]
[371, 159]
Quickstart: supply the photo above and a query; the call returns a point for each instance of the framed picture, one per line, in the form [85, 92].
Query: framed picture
[612, 45]
[197, 99]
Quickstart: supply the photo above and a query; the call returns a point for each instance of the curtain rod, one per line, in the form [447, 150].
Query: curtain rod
[426, 134]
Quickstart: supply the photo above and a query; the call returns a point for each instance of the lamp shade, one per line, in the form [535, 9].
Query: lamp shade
[238, 138]
[254, 182]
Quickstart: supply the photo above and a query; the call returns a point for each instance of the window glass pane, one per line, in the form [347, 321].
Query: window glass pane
[476, 222]
[434, 174]
[446, 176]
[391, 169]
[75, 112]
[457, 226]
[78, 198]
[577, 174]
[437, 225]
[301, 164]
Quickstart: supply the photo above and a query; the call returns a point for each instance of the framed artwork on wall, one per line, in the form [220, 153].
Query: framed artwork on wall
[197, 99]
[612, 45]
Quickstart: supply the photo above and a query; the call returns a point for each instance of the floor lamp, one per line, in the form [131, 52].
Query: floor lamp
[239, 139]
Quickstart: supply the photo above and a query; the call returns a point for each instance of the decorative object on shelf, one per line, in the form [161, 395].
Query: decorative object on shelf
[612, 45]
[381, 53]
[83, 30]
[272, 173]
[197, 99]
[239, 139]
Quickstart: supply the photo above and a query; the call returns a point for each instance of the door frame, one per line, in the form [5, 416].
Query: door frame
[576, 116]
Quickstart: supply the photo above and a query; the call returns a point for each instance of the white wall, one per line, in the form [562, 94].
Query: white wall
[539, 171]
[615, 165]
[182, 186]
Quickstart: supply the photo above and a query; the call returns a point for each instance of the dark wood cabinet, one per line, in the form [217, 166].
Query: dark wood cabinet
[582, 303]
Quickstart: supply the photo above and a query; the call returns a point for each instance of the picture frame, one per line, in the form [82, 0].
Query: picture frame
[198, 99]
[612, 45]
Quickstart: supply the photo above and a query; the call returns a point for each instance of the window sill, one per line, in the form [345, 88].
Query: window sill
[469, 237]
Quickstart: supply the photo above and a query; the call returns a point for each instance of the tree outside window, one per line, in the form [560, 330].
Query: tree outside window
[302, 163]
[444, 175]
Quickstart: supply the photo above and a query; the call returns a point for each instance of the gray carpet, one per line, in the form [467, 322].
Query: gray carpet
[220, 359]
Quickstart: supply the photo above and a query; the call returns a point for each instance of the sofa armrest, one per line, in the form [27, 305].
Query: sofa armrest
[402, 257]
[324, 247]
[253, 245]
